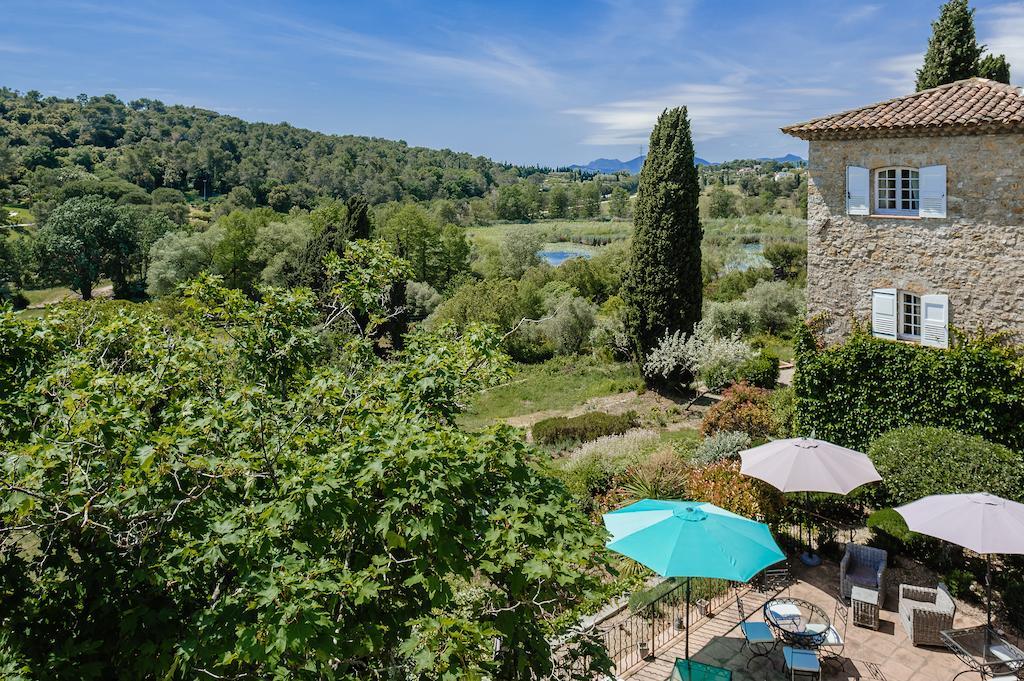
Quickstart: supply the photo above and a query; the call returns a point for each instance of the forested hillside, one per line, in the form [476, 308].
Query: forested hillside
[153, 145]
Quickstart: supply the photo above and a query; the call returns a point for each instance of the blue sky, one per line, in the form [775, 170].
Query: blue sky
[530, 82]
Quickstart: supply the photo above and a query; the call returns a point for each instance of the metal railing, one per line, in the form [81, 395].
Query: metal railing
[639, 635]
[800, 532]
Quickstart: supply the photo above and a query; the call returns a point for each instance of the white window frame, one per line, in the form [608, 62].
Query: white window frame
[909, 318]
[904, 188]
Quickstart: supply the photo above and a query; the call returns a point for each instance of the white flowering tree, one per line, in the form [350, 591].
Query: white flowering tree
[711, 359]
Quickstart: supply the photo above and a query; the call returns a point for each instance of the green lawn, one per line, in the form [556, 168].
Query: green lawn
[755, 228]
[21, 215]
[46, 296]
[554, 231]
[560, 383]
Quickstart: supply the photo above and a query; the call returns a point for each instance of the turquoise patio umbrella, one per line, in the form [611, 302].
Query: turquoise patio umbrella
[692, 539]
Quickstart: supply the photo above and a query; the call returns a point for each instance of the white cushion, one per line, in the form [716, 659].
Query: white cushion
[832, 637]
[757, 632]
[784, 611]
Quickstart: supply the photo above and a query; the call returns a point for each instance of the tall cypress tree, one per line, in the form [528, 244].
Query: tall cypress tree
[662, 288]
[309, 271]
[994, 68]
[953, 50]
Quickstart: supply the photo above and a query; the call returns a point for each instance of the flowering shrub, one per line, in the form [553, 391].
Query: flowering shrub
[744, 409]
[722, 485]
[711, 359]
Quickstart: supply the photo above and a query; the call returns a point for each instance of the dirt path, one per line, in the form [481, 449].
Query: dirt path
[644, 404]
[98, 292]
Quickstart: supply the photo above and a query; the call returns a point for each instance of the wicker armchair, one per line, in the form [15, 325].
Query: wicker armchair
[925, 612]
[863, 566]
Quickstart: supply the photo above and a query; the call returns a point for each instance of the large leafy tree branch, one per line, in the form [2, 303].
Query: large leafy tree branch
[197, 494]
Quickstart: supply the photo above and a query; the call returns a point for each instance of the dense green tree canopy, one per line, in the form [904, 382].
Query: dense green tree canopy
[153, 145]
[203, 495]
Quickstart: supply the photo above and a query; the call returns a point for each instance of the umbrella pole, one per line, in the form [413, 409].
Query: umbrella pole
[687, 621]
[988, 597]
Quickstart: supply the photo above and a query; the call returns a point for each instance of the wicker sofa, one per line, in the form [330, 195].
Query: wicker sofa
[925, 612]
[863, 566]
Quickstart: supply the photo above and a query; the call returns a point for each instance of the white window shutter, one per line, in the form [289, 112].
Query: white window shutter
[858, 182]
[933, 191]
[935, 321]
[883, 313]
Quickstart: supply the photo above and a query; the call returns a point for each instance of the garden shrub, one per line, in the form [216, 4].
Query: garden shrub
[787, 258]
[582, 428]
[662, 475]
[762, 370]
[918, 461]
[733, 284]
[700, 587]
[775, 306]
[593, 472]
[743, 408]
[783, 404]
[723, 485]
[726, 444]
[589, 475]
[853, 392]
[889, 531]
[1012, 596]
[958, 582]
[727, 318]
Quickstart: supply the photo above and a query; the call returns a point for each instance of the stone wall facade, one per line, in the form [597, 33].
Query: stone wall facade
[975, 255]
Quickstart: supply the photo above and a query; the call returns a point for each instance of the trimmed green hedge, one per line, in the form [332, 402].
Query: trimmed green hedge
[582, 428]
[853, 392]
[917, 461]
[762, 370]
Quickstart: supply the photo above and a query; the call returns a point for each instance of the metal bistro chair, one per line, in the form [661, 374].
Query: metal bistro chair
[757, 636]
[801, 661]
[776, 580]
[833, 640]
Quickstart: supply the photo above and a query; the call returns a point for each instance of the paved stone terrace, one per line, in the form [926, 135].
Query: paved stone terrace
[883, 655]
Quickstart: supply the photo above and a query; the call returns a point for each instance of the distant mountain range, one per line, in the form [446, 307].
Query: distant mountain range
[788, 158]
[614, 165]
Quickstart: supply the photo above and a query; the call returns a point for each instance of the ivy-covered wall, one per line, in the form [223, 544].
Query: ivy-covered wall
[853, 392]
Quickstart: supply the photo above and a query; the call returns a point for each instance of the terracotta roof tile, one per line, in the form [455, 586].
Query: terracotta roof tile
[972, 106]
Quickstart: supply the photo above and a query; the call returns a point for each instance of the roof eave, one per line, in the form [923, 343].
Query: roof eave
[905, 131]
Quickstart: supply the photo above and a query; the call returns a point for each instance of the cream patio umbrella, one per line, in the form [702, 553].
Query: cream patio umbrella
[806, 465]
[981, 522]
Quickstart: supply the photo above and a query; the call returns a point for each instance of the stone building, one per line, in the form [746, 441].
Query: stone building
[915, 214]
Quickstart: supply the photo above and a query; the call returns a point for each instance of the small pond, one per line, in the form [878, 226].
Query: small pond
[751, 256]
[557, 257]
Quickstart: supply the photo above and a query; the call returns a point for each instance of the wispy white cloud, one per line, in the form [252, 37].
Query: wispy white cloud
[492, 64]
[1002, 30]
[899, 73]
[815, 92]
[16, 48]
[715, 111]
[859, 13]
[657, 21]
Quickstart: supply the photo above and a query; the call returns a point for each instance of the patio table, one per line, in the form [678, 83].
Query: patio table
[799, 623]
[688, 670]
[985, 651]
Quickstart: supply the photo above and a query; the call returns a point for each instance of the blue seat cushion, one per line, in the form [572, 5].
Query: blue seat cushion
[863, 575]
[801, 660]
[757, 632]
